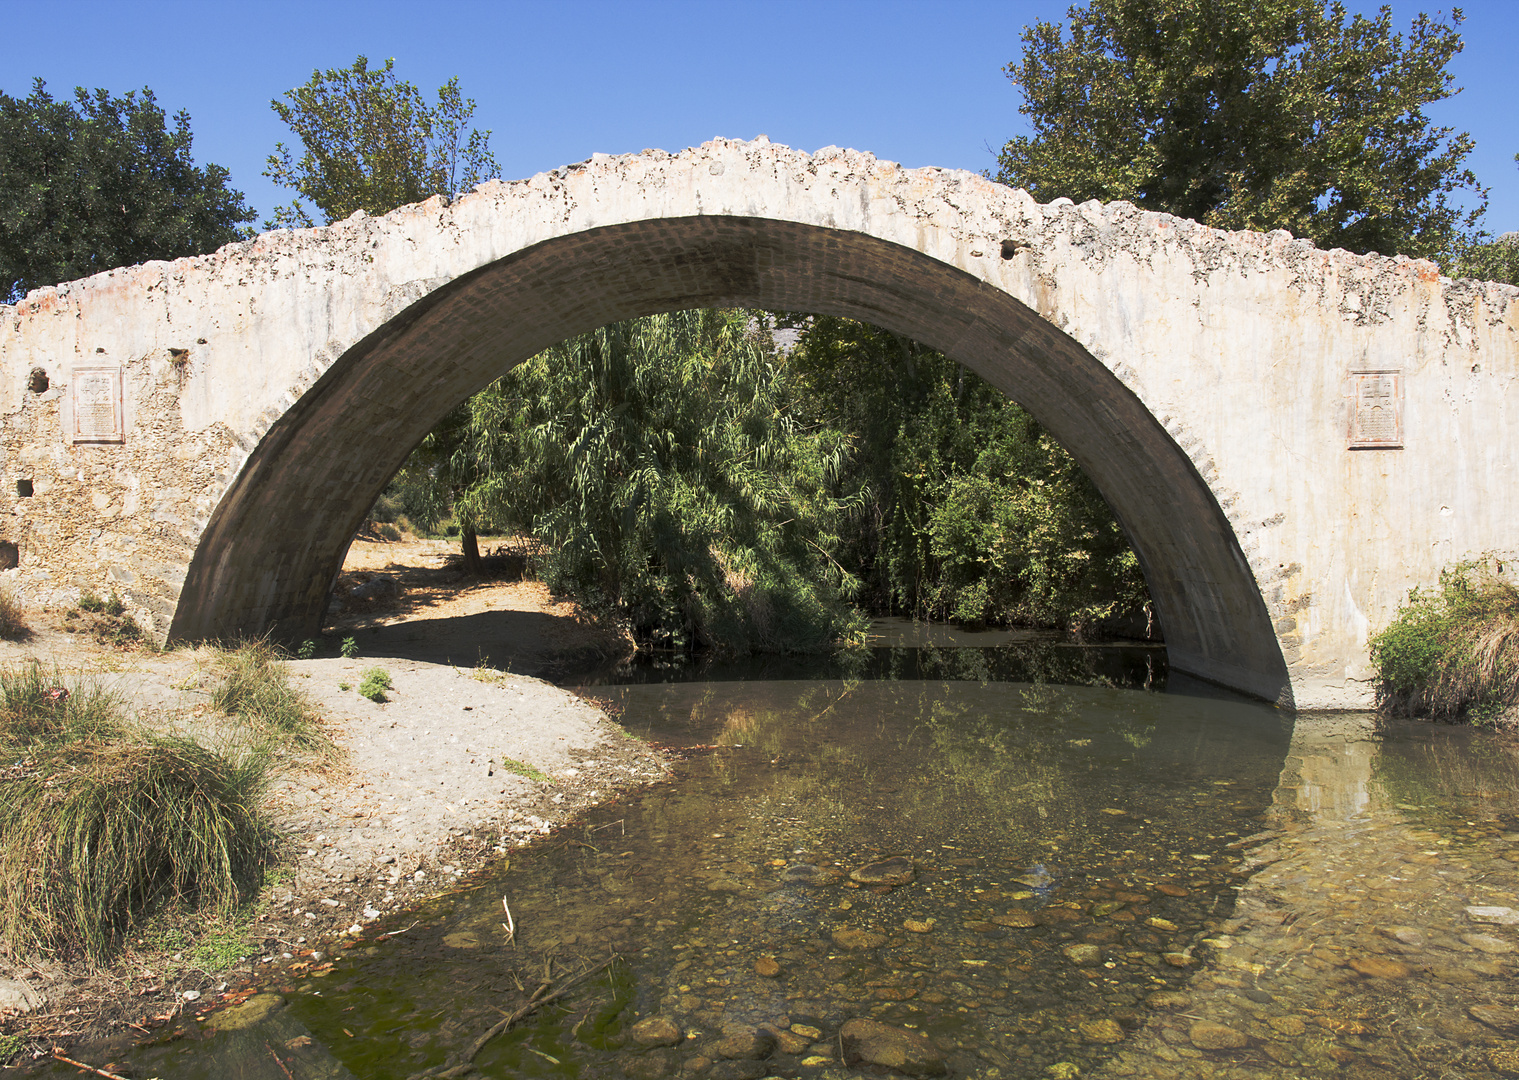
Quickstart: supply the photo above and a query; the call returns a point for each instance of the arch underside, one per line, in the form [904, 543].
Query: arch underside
[273, 547]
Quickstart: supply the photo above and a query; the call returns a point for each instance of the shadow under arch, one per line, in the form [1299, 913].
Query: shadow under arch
[273, 546]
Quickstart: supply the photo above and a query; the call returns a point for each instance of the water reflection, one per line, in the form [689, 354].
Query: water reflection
[1104, 881]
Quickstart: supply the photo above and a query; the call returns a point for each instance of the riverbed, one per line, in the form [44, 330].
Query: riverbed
[1021, 857]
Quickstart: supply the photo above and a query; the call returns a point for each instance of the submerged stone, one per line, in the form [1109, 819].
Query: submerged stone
[896, 870]
[655, 1031]
[896, 1048]
[1208, 1035]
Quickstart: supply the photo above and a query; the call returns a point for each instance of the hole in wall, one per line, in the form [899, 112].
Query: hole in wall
[37, 382]
[10, 555]
[23, 489]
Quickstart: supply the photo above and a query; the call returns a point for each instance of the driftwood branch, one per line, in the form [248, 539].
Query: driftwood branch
[544, 995]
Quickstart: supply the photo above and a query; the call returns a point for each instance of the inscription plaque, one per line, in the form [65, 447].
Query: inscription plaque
[95, 400]
[1376, 415]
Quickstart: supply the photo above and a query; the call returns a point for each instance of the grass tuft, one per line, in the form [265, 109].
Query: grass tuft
[13, 625]
[254, 685]
[97, 832]
[522, 768]
[42, 705]
[1453, 652]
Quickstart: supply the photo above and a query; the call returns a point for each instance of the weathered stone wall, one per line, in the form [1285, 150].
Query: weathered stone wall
[1200, 377]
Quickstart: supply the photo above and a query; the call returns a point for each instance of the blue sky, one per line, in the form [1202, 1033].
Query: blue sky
[919, 83]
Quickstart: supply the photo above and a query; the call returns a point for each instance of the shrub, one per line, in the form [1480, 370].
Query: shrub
[89, 600]
[255, 686]
[374, 684]
[12, 618]
[349, 649]
[1452, 652]
[96, 833]
[307, 650]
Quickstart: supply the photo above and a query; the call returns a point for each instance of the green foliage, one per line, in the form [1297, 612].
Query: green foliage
[970, 510]
[89, 600]
[254, 685]
[307, 650]
[663, 464]
[512, 765]
[99, 182]
[373, 143]
[1453, 652]
[374, 683]
[345, 686]
[1249, 114]
[349, 649]
[43, 705]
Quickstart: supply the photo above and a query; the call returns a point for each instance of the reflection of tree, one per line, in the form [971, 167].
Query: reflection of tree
[1484, 770]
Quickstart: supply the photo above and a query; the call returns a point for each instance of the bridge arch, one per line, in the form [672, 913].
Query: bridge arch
[1204, 380]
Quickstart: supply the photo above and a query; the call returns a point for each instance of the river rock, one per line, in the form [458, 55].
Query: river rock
[896, 870]
[766, 967]
[746, 1046]
[1178, 959]
[1495, 1016]
[1019, 919]
[810, 1032]
[17, 998]
[1106, 907]
[896, 1048]
[654, 1065]
[1207, 1035]
[736, 1070]
[1290, 1026]
[918, 926]
[1381, 967]
[1083, 954]
[1488, 943]
[857, 939]
[1407, 935]
[789, 1042]
[1497, 916]
[1170, 890]
[807, 874]
[1101, 1031]
[1168, 999]
[656, 1031]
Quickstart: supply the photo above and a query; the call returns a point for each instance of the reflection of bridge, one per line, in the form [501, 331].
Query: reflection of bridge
[1291, 437]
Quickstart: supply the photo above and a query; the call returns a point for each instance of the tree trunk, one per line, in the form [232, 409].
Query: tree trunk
[471, 545]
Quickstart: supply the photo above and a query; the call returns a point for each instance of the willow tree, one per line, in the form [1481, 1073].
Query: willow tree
[664, 466]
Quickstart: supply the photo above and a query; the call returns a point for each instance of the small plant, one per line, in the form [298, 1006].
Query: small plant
[255, 686]
[349, 649]
[307, 650]
[374, 684]
[345, 686]
[89, 600]
[521, 768]
[42, 705]
[10, 1046]
[13, 628]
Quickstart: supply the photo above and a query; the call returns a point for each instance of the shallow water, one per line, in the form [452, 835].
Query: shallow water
[1106, 879]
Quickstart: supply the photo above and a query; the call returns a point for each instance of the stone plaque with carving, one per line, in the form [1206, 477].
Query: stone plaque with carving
[1376, 417]
[95, 400]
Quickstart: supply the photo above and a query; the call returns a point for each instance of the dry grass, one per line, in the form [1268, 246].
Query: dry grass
[13, 625]
[252, 684]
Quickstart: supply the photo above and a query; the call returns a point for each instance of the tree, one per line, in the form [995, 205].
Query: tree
[99, 182]
[373, 143]
[970, 510]
[1490, 259]
[1249, 114]
[664, 466]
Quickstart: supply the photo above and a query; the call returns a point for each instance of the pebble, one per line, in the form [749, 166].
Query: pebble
[1498, 916]
[918, 926]
[766, 967]
[1168, 999]
[1488, 943]
[1020, 919]
[807, 1031]
[1171, 890]
[896, 1048]
[1291, 1026]
[1083, 954]
[1495, 1016]
[1381, 967]
[1208, 1035]
[1177, 959]
[896, 870]
[1101, 1031]
[807, 874]
[857, 939]
[655, 1031]
[746, 1046]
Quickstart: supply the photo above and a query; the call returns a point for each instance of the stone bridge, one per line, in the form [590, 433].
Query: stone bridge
[1291, 437]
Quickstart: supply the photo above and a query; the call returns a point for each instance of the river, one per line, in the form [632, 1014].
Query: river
[1069, 864]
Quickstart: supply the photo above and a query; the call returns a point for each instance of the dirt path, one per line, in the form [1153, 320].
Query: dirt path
[469, 756]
